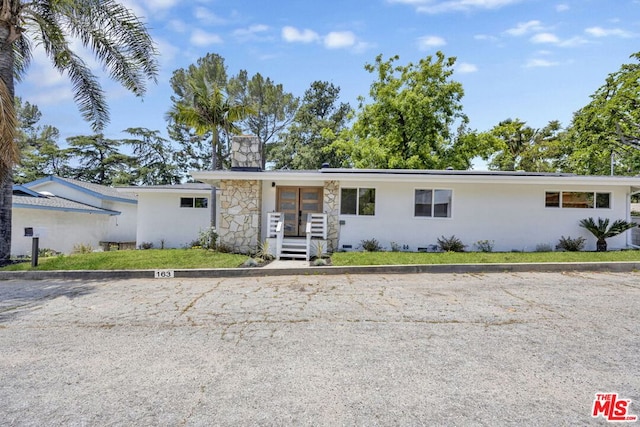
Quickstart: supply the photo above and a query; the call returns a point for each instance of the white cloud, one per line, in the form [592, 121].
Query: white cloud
[204, 15]
[562, 7]
[545, 38]
[339, 39]
[608, 32]
[160, 4]
[203, 38]
[293, 35]
[466, 68]
[525, 28]
[177, 26]
[252, 32]
[486, 37]
[573, 41]
[538, 62]
[427, 42]
[460, 5]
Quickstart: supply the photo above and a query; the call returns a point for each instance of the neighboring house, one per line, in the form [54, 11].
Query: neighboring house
[65, 212]
[412, 208]
[171, 216]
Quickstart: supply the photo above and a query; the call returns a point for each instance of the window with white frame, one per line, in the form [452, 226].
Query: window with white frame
[194, 202]
[577, 199]
[358, 201]
[432, 203]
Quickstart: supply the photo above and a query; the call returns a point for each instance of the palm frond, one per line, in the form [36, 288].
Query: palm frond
[9, 153]
[87, 91]
[22, 57]
[116, 36]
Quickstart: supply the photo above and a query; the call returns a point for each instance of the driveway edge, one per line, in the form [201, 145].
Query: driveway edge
[622, 266]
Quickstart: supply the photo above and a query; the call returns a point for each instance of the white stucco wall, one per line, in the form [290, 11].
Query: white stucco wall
[161, 217]
[61, 230]
[513, 216]
[122, 228]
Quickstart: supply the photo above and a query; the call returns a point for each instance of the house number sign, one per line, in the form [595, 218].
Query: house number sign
[164, 274]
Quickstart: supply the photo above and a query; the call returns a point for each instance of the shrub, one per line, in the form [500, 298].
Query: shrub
[451, 244]
[485, 245]
[263, 251]
[543, 247]
[46, 252]
[571, 245]
[82, 248]
[319, 249]
[371, 245]
[208, 238]
[146, 245]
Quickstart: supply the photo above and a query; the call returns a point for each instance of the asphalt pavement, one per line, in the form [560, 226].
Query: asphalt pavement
[479, 349]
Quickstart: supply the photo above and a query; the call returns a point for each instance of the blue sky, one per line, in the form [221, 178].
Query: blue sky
[536, 60]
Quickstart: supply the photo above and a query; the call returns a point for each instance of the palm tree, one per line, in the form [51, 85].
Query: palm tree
[118, 39]
[602, 231]
[209, 109]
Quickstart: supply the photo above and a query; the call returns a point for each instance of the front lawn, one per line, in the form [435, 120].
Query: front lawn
[136, 260]
[404, 258]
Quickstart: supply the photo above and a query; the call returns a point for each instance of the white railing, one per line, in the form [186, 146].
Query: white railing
[316, 227]
[276, 230]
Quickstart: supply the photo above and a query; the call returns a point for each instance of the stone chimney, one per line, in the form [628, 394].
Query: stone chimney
[246, 153]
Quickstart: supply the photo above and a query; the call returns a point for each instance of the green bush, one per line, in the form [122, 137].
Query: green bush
[571, 245]
[451, 244]
[207, 238]
[485, 245]
[371, 245]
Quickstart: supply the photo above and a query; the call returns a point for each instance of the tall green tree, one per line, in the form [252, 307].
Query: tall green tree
[40, 154]
[273, 108]
[118, 39]
[608, 128]
[306, 144]
[413, 118]
[195, 151]
[100, 161]
[154, 158]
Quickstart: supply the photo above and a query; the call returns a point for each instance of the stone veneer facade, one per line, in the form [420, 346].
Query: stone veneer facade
[240, 214]
[246, 152]
[331, 207]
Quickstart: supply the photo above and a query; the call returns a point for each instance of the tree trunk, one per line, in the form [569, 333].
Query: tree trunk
[6, 177]
[601, 245]
[214, 150]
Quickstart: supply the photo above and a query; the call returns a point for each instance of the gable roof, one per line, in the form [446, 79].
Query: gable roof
[28, 199]
[100, 191]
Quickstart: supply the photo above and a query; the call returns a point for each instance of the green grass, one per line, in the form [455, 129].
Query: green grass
[136, 260]
[200, 258]
[405, 258]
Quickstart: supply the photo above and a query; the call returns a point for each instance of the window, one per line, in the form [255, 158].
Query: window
[358, 201]
[577, 199]
[28, 232]
[433, 203]
[193, 202]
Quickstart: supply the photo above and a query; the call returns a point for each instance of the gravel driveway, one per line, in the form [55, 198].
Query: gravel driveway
[428, 349]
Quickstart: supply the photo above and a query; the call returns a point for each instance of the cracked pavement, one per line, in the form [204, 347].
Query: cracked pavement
[415, 349]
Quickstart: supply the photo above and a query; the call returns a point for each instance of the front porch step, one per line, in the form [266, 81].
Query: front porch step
[294, 248]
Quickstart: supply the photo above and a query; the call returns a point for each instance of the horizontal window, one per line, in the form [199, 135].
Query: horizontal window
[433, 203]
[194, 202]
[358, 201]
[577, 199]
